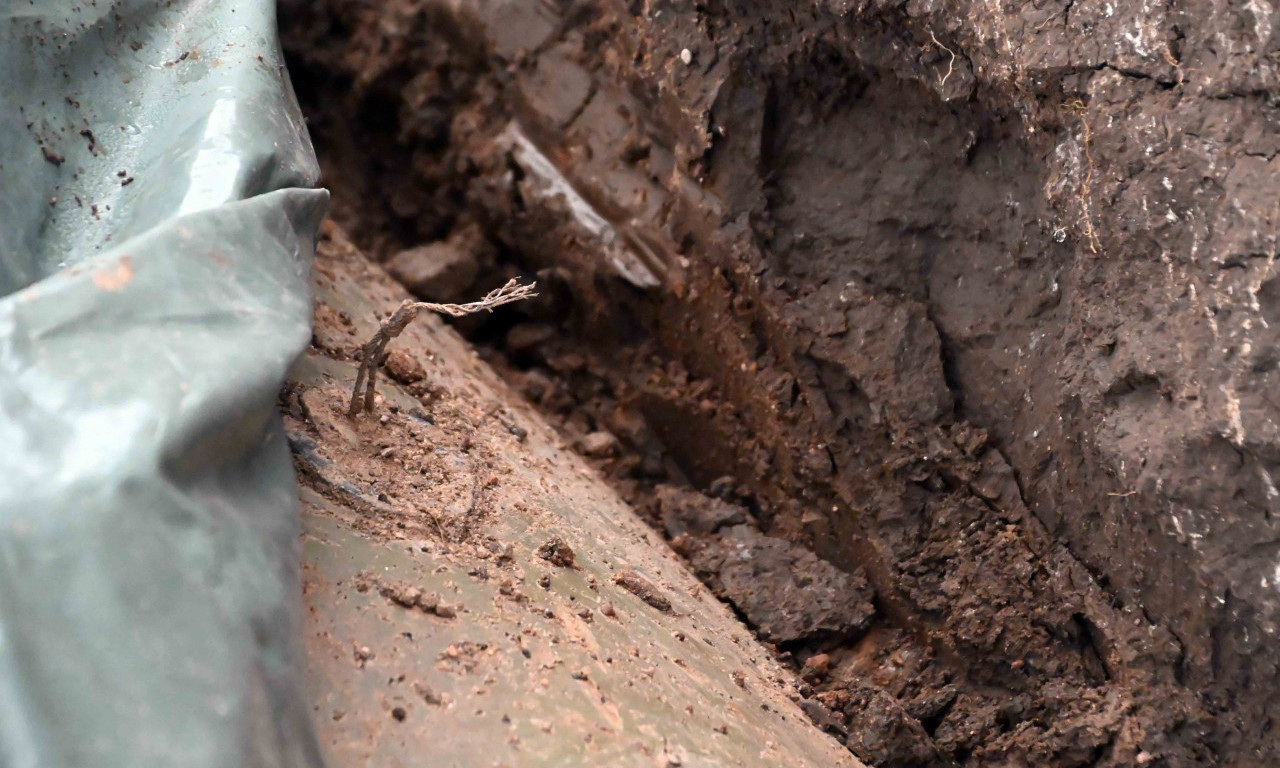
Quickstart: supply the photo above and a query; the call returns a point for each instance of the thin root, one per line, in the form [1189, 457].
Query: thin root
[951, 65]
[1078, 108]
[367, 375]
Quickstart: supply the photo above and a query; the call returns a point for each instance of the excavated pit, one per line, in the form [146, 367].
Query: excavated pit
[945, 364]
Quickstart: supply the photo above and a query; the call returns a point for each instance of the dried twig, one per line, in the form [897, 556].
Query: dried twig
[366, 377]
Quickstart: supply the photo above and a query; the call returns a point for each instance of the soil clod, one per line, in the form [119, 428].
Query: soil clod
[557, 552]
[643, 589]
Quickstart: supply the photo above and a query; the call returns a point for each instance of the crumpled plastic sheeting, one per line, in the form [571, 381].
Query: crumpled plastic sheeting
[157, 220]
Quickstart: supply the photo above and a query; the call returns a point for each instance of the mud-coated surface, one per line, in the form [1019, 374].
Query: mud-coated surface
[477, 596]
[978, 301]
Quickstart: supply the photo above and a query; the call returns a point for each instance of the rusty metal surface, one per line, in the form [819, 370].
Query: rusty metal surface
[517, 660]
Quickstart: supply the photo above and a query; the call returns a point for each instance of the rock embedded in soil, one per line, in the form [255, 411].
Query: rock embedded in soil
[598, 444]
[816, 666]
[684, 511]
[443, 271]
[881, 732]
[785, 591]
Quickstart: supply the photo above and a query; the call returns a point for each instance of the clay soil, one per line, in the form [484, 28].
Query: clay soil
[940, 341]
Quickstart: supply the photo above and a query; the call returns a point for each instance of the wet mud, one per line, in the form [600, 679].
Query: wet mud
[939, 340]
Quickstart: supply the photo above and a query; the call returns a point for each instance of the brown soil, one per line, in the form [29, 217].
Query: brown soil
[423, 526]
[940, 341]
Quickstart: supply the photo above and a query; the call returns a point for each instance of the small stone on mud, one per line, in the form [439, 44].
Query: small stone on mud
[608, 610]
[816, 665]
[598, 444]
[401, 595]
[557, 552]
[643, 589]
[427, 694]
[404, 367]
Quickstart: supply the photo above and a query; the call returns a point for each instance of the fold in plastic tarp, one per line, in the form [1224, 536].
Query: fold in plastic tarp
[157, 219]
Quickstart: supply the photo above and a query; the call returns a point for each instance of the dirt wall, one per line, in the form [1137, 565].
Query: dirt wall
[974, 300]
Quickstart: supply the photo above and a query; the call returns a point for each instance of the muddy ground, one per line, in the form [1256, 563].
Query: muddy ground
[939, 338]
[476, 595]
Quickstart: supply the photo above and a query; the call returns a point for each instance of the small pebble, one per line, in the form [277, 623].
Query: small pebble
[558, 552]
[598, 444]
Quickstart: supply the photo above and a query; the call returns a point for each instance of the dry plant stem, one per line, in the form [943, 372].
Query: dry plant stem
[367, 375]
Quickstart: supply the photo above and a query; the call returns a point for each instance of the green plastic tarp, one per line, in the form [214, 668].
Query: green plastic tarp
[158, 214]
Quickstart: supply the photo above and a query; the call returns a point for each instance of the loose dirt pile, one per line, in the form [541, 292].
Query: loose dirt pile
[940, 341]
